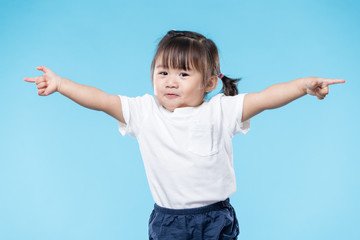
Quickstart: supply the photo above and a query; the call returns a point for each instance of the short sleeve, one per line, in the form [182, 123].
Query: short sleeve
[232, 108]
[134, 111]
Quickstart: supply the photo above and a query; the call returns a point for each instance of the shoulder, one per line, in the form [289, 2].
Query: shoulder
[229, 106]
[137, 106]
[227, 100]
[143, 97]
[147, 98]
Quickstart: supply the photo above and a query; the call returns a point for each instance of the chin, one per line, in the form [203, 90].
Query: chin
[170, 108]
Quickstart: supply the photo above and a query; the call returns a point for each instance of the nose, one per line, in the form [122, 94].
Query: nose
[172, 82]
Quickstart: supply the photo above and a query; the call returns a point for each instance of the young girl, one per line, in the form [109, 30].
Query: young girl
[186, 142]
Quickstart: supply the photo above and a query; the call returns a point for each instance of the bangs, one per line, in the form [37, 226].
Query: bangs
[181, 53]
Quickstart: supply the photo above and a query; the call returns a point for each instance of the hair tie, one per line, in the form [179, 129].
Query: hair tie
[221, 76]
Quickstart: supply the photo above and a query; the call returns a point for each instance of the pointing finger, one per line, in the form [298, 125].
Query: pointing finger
[334, 81]
[29, 79]
[36, 80]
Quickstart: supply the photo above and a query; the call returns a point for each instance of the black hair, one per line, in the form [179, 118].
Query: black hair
[187, 50]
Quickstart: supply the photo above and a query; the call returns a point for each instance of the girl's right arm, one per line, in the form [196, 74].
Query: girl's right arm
[86, 96]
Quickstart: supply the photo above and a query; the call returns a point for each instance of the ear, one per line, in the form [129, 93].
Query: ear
[211, 85]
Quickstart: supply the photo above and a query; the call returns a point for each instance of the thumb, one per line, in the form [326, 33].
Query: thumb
[44, 69]
[314, 84]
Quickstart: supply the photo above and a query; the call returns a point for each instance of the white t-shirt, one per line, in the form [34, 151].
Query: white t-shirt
[187, 153]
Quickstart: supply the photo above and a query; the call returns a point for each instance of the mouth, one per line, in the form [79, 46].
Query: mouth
[170, 95]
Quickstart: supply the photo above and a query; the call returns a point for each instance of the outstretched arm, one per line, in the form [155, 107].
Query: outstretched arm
[86, 96]
[281, 94]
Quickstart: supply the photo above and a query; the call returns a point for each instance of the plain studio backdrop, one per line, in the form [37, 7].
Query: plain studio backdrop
[67, 173]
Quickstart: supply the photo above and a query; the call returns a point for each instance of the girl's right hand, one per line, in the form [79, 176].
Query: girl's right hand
[47, 83]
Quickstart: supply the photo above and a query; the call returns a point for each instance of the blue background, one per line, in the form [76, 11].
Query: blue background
[67, 173]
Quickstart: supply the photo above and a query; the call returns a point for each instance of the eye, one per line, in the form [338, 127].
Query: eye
[184, 74]
[163, 73]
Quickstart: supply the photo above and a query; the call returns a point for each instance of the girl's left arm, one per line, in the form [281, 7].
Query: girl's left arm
[281, 94]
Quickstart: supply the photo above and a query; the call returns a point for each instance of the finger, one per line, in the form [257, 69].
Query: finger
[46, 92]
[315, 83]
[40, 80]
[41, 85]
[36, 80]
[41, 92]
[320, 96]
[323, 91]
[334, 81]
[30, 79]
[43, 68]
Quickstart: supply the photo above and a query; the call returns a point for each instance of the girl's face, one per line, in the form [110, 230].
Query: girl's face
[177, 88]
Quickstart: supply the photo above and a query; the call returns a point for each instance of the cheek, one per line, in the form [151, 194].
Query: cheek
[199, 88]
[156, 88]
[193, 91]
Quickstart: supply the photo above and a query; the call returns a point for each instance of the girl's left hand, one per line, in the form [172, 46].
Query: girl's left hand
[319, 87]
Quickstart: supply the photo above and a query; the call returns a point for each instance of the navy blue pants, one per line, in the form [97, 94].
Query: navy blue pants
[216, 221]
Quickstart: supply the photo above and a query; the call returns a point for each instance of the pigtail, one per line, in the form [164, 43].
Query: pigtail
[229, 85]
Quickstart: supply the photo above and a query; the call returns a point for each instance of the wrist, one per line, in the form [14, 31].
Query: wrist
[302, 85]
[60, 83]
